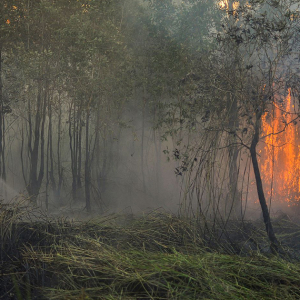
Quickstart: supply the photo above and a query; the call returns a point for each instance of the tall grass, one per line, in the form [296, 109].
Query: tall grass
[154, 256]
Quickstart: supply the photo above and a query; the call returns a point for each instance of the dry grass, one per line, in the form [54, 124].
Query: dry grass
[155, 256]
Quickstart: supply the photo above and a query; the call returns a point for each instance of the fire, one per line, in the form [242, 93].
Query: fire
[235, 5]
[280, 155]
[223, 4]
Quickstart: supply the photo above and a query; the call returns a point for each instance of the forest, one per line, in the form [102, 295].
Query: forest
[149, 149]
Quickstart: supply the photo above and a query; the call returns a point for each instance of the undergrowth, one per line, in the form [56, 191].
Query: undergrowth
[154, 256]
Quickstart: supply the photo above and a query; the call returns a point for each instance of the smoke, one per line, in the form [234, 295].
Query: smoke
[7, 193]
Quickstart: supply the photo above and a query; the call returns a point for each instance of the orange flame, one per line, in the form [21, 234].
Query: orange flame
[280, 155]
[223, 4]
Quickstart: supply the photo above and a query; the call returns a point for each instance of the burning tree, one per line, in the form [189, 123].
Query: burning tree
[276, 43]
[226, 107]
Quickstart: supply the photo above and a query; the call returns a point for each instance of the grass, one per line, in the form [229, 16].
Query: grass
[102, 273]
[155, 256]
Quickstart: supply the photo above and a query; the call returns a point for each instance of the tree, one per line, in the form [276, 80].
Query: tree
[11, 24]
[274, 45]
[223, 102]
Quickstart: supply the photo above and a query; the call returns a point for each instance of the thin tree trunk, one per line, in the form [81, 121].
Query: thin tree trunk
[87, 175]
[36, 172]
[75, 134]
[79, 185]
[59, 167]
[98, 151]
[50, 147]
[260, 191]
[32, 187]
[47, 165]
[142, 148]
[3, 150]
[235, 201]
[71, 152]
[2, 144]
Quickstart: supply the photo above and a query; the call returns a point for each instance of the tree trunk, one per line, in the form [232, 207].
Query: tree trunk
[59, 166]
[2, 142]
[87, 175]
[73, 158]
[142, 147]
[260, 191]
[36, 152]
[75, 139]
[234, 193]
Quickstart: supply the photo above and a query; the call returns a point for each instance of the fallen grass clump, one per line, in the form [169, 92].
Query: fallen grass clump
[101, 272]
[155, 256]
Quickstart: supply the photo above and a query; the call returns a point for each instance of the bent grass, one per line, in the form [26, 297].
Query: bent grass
[157, 256]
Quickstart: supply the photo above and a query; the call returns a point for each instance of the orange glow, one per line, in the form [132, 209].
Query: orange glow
[280, 155]
[7, 21]
[248, 5]
[14, 7]
[223, 4]
[235, 5]
[294, 16]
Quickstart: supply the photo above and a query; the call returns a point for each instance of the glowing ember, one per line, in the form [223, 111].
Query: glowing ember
[223, 4]
[235, 5]
[280, 155]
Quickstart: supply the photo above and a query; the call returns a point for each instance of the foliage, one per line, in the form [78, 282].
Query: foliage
[216, 120]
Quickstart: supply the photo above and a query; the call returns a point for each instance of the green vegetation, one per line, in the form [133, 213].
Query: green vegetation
[154, 256]
[92, 93]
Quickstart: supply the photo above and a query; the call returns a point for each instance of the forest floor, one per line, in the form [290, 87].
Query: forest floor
[152, 256]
